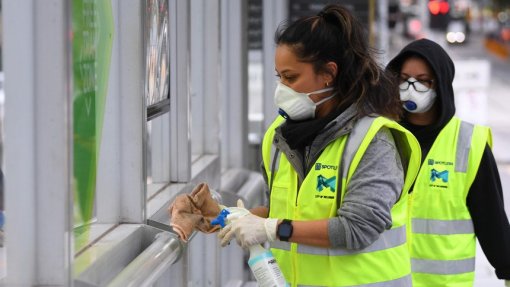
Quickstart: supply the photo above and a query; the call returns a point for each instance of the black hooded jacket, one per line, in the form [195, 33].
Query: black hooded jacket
[485, 197]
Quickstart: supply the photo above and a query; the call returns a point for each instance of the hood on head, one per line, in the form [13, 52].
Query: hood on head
[444, 70]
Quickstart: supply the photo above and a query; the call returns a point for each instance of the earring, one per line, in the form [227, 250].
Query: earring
[327, 84]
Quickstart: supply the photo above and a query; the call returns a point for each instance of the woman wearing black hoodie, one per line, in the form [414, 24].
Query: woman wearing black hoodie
[457, 196]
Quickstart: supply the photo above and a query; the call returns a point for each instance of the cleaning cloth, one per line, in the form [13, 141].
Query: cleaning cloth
[194, 211]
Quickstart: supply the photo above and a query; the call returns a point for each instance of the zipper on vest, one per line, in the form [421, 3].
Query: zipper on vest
[297, 190]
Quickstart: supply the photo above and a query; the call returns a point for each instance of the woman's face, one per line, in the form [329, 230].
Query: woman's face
[417, 68]
[299, 76]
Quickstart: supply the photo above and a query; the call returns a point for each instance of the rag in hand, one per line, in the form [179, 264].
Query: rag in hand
[194, 211]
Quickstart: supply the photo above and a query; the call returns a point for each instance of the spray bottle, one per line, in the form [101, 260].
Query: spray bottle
[262, 263]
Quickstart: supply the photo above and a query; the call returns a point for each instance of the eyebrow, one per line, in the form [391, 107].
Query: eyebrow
[284, 71]
[417, 76]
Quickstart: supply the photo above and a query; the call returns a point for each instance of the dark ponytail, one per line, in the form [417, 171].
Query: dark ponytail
[335, 35]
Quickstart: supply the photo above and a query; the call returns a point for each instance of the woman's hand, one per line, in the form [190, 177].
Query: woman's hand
[248, 229]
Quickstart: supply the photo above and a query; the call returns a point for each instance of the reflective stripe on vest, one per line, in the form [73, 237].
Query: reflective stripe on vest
[443, 243]
[400, 282]
[353, 143]
[388, 239]
[386, 262]
[443, 267]
[463, 145]
[444, 227]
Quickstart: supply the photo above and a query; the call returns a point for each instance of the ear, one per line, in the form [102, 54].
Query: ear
[331, 72]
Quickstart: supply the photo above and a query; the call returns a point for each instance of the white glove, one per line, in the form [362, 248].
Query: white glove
[507, 283]
[234, 214]
[251, 230]
[248, 229]
[237, 212]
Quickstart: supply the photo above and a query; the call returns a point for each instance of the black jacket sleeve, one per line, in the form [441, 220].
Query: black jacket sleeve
[485, 204]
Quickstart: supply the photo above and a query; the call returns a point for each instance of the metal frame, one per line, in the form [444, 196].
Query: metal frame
[205, 75]
[37, 143]
[212, 62]
[180, 142]
[234, 61]
[132, 112]
[198, 75]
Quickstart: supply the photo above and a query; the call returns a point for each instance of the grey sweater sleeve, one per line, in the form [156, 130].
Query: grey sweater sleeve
[372, 191]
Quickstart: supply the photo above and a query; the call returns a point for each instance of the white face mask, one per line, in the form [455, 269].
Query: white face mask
[417, 102]
[297, 106]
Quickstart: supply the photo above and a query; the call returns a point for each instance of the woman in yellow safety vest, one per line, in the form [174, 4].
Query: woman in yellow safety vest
[457, 195]
[337, 167]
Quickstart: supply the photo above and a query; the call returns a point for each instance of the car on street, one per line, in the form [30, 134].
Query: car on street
[456, 32]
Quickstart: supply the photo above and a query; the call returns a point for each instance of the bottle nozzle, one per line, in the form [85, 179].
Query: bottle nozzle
[221, 218]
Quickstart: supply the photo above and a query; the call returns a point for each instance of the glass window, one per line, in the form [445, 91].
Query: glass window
[157, 78]
[91, 51]
[157, 154]
[156, 58]
[157, 81]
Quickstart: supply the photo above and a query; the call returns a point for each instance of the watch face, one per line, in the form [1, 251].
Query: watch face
[285, 229]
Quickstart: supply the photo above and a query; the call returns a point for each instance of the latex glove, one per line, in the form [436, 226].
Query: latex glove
[234, 214]
[237, 212]
[507, 283]
[249, 230]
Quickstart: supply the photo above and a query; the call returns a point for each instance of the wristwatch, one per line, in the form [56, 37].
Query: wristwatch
[284, 230]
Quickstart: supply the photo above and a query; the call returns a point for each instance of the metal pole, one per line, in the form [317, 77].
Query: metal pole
[146, 269]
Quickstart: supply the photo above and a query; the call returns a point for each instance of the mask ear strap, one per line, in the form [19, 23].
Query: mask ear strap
[320, 91]
[325, 99]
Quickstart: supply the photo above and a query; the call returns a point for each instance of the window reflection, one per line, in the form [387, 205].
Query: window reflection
[157, 60]
[157, 78]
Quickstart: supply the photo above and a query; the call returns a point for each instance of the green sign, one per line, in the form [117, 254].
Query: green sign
[92, 37]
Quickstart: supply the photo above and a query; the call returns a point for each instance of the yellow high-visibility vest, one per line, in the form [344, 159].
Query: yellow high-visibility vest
[443, 243]
[387, 260]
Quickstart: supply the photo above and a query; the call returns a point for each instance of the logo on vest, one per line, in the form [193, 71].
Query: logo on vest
[443, 175]
[323, 183]
[319, 166]
[438, 162]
